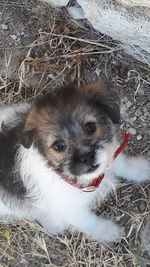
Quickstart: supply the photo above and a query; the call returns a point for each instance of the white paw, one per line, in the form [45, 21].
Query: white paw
[111, 233]
[139, 169]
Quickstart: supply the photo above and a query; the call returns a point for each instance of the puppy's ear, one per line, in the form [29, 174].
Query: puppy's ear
[28, 131]
[100, 95]
[27, 138]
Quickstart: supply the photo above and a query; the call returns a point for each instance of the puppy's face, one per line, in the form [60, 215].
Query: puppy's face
[72, 127]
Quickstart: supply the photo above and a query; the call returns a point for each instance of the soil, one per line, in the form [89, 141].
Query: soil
[41, 49]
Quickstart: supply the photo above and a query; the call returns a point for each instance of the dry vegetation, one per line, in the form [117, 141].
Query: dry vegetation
[41, 49]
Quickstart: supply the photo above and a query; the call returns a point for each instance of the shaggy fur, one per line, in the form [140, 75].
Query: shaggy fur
[70, 133]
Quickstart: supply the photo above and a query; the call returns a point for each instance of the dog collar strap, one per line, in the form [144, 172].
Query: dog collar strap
[96, 182]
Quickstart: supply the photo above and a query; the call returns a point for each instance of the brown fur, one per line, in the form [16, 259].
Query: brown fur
[96, 88]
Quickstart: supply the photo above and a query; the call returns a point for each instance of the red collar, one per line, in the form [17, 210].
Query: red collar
[96, 182]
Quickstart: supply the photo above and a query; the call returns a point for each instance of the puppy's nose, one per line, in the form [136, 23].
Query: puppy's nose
[88, 158]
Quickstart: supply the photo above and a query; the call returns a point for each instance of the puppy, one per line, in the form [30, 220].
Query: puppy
[51, 151]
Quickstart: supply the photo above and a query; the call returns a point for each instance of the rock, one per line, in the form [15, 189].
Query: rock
[13, 36]
[139, 137]
[142, 207]
[126, 21]
[132, 131]
[133, 119]
[98, 71]
[128, 104]
[123, 23]
[140, 91]
[145, 3]
[4, 26]
[142, 117]
[76, 12]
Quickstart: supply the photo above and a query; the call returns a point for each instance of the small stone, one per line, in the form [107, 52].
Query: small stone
[132, 131]
[121, 126]
[128, 104]
[142, 207]
[18, 40]
[133, 119]
[139, 137]
[142, 117]
[76, 12]
[13, 36]
[97, 71]
[141, 91]
[4, 26]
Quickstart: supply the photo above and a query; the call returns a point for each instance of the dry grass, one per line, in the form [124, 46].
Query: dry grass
[68, 51]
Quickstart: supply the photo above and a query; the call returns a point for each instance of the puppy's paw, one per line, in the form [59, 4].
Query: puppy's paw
[139, 169]
[114, 233]
[111, 233]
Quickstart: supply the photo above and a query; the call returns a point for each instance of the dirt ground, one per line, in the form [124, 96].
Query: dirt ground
[41, 49]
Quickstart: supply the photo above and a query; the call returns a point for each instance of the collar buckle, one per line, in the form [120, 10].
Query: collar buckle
[89, 188]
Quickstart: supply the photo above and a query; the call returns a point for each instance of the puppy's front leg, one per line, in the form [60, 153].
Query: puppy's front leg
[52, 226]
[131, 168]
[98, 228]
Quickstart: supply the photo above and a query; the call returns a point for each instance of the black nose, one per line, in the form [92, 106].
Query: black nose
[88, 158]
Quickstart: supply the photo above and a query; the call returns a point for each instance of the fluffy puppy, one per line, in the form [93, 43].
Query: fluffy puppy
[66, 135]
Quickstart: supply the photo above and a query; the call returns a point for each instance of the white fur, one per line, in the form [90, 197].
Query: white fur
[136, 169]
[58, 206]
[8, 114]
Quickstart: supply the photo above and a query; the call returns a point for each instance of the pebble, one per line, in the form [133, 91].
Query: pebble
[139, 137]
[128, 104]
[141, 91]
[97, 71]
[13, 36]
[142, 117]
[142, 207]
[76, 12]
[4, 26]
[133, 119]
[132, 131]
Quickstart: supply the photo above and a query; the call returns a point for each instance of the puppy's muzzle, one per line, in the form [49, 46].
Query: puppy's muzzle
[83, 162]
[88, 160]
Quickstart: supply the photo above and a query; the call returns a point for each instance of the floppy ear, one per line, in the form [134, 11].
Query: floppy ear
[28, 130]
[100, 95]
[27, 137]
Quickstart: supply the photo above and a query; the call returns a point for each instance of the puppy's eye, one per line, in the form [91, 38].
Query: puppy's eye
[58, 146]
[90, 128]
